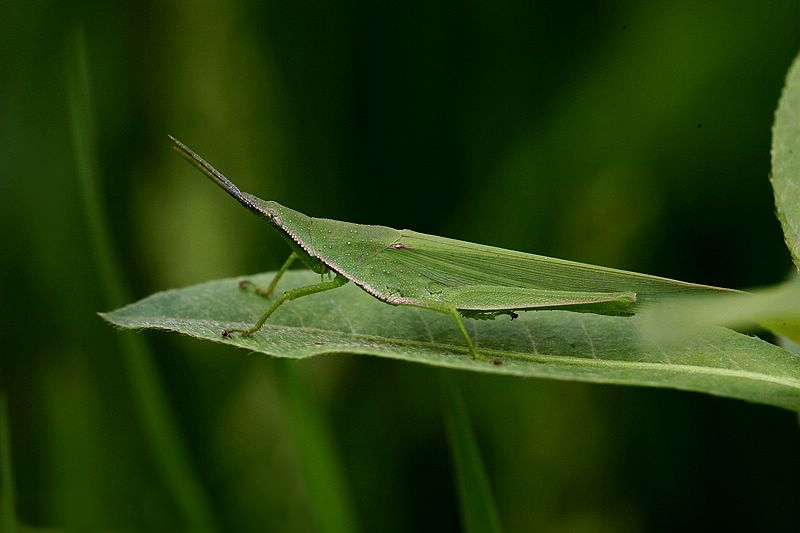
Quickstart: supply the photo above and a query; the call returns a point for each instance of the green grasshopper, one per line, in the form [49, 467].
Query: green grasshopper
[403, 267]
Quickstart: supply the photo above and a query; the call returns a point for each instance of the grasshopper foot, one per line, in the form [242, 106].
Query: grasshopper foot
[247, 284]
[228, 333]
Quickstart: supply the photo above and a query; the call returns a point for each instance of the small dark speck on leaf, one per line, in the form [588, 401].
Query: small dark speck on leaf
[514, 315]
[497, 362]
[699, 126]
[624, 26]
[226, 333]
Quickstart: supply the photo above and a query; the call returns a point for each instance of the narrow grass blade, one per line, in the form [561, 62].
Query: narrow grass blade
[478, 510]
[149, 399]
[8, 520]
[323, 470]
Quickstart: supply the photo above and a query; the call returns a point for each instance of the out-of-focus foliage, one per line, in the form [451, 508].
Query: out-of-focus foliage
[630, 134]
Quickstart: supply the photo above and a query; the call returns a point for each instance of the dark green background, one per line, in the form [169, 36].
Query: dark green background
[630, 134]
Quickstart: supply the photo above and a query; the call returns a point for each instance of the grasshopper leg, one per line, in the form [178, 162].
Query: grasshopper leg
[451, 310]
[470, 343]
[271, 287]
[291, 294]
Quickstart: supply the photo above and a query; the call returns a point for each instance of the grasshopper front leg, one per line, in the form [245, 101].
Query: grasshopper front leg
[272, 284]
[291, 294]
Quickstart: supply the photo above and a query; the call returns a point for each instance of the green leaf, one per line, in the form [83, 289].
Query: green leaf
[552, 344]
[786, 160]
[776, 308]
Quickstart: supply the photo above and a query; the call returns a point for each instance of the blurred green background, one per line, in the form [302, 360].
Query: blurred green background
[626, 133]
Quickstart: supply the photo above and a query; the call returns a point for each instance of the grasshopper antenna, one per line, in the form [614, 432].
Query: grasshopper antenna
[215, 175]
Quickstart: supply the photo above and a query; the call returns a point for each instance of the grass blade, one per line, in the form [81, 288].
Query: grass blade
[149, 399]
[324, 475]
[478, 510]
[8, 520]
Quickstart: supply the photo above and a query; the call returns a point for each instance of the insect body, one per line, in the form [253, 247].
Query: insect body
[403, 267]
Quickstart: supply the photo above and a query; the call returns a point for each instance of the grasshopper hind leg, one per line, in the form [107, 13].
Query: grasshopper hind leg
[470, 343]
[456, 314]
[453, 311]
